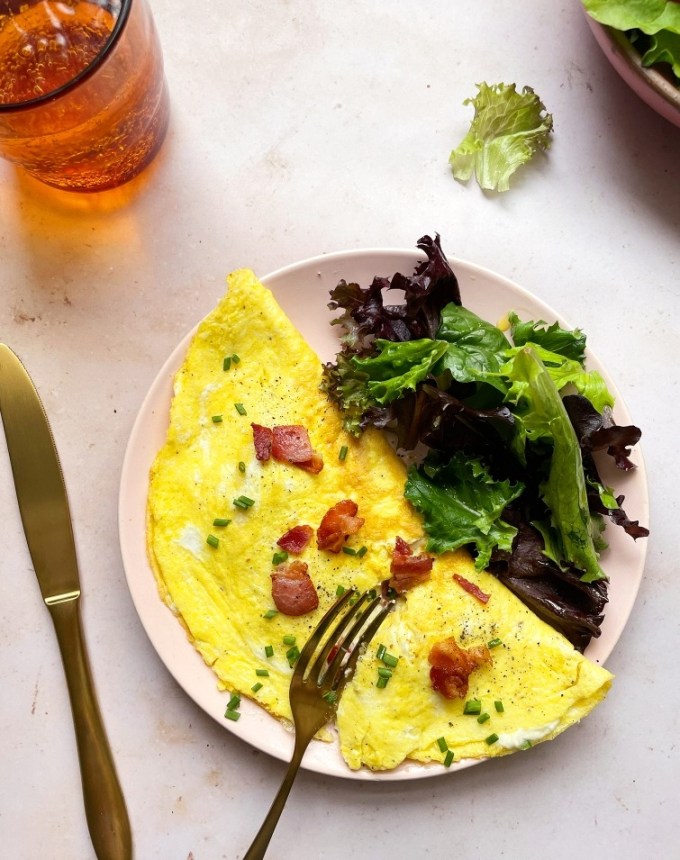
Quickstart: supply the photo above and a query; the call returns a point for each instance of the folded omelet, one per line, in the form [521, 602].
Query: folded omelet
[213, 556]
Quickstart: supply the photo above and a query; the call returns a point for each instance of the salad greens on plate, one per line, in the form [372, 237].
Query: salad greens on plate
[503, 433]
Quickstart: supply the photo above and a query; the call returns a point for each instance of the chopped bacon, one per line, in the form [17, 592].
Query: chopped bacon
[407, 569]
[262, 438]
[291, 444]
[452, 667]
[296, 539]
[313, 465]
[338, 523]
[471, 588]
[292, 589]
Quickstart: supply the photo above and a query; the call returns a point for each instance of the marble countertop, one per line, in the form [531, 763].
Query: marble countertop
[301, 128]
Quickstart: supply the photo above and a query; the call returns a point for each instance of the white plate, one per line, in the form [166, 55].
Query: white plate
[302, 290]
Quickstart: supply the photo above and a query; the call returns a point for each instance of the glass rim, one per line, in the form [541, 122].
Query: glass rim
[53, 95]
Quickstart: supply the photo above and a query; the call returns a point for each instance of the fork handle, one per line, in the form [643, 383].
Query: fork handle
[259, 846]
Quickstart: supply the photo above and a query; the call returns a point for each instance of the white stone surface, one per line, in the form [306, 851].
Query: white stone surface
[299, 128]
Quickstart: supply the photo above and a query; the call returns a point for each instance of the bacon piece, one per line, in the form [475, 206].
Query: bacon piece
[471, 588]
[338, 523]
[293, 591]
[453, 665]
[407, 569]
[263, 439]
[291, 445]
[313, 465]
[296, 539]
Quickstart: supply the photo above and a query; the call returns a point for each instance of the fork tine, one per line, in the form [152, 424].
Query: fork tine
[337, 638]
[340, 674]
[345, 642]
[312, 643]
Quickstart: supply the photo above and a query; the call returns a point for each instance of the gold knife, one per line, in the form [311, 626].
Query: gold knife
[44, 508]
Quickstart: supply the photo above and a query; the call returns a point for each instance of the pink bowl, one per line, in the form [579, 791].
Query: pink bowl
[652, 87]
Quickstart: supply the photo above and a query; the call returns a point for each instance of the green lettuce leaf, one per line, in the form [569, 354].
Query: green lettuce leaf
[508, 128]
[564, 491]
[564, 371]
[571, 343]
[650, 16]
[476, 348]
[664, 48]
[462, 504]
[397, 367]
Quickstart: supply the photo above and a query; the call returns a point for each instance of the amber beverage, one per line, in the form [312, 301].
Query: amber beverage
[83, 100]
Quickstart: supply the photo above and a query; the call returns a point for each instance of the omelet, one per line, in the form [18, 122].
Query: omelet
[216, 513]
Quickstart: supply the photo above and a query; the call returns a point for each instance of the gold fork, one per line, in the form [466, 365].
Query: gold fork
[314, 694]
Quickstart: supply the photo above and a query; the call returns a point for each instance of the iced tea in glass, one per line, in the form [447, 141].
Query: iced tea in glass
[83, 99]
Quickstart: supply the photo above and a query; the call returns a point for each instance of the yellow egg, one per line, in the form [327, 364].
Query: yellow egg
[217, 578]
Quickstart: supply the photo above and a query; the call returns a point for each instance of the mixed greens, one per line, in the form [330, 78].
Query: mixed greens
[508, 128]
[653, 26]
[508, 429]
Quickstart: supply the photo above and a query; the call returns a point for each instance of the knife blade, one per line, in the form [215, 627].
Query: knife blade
[46, 518]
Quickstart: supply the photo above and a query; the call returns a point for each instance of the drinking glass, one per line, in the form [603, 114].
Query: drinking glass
[83, 99]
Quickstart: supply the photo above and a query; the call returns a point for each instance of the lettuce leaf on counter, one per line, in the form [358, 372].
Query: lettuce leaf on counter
[507, 130]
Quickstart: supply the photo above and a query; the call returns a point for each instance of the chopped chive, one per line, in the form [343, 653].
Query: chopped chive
[348, 550]
[498, 705]
[473, 707]
[271, 613]
[279, 557]
[372, 594]
[243, 502]
[241, 466]
[226, 362]
[390, 660]
[288, 639]
[525, 745]
[361, 552]
[343, 452]
[292, 654]
[384, 672]
[330, 696]
[269, 650]
[232, 715]
[234, 702]
[235, 358]
[381, 683]
[221, 522]
[262, 673]
[441, 743]
[240, 408]
[491, 739]
[213, 541]
[380, 653]
[494, 643]
[482, 718]
[448, 758]
[340, 590]
[217, 419]
[256, 687]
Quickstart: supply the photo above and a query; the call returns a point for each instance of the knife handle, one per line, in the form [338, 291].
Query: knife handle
[107, 818]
